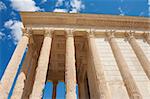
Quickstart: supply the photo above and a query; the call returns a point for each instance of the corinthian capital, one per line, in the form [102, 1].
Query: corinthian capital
[27, 32]
[129, 35]
[69, 33]
[147, 35]
[91, 33]
[48, 32]
[110, 34]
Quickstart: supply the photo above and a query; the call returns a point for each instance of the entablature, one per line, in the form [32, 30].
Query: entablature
[85, 20]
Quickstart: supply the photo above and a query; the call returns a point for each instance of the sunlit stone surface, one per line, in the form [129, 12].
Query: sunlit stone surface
[75, 49]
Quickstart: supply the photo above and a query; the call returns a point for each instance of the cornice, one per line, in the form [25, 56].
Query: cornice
[83, 20]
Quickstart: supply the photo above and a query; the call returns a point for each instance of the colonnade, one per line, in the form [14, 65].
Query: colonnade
[70, 70]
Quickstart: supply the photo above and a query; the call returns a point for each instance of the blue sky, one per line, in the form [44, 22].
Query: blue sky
[10, 22]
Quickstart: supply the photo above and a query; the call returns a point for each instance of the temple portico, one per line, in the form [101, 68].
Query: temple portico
[79, 50]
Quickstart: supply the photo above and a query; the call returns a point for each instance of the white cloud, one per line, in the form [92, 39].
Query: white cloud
[141, 13]
[121, 11]
[1, 35]
[2, 6]
[15, 27]
[60, 10]
[73, 11]
[43, 1]
[24, 5]
[59, 3]
[77, 5]
[67, 4]
[13, 13]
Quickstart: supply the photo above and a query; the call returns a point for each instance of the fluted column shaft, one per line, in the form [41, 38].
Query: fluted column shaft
[103, 89]
[140, 55]
[70, 70]
[11, 70]
[41, 70]
[31, 76]
[18, 89]
[27, 61]
[54, 89]
[129, 81]
[2, 94]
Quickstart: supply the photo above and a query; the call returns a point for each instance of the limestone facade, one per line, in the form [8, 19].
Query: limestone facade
[107, 57]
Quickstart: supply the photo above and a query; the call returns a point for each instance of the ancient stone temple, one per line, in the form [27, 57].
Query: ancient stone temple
[107, 56]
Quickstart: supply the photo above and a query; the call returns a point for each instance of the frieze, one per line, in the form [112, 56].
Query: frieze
[85, 20]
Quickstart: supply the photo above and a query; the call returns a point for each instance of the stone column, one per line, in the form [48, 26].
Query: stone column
[147, 37]
[103, 90]
[20, 83]
[139, 53]
[83, 88]
[41, 70]
[31, 76]
[12, 68]
[54, 89]
[2, 94]
[28, 59]
[70, 70]
[128, 79]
